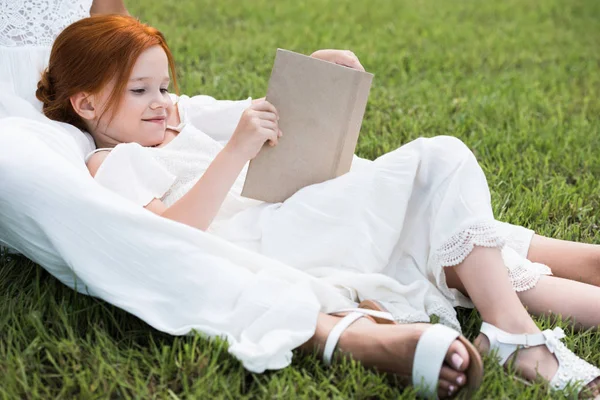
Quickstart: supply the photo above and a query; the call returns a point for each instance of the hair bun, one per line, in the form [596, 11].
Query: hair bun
[45, 89]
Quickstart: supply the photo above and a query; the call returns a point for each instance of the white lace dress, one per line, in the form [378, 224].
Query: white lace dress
[27, 30]
[385, 230]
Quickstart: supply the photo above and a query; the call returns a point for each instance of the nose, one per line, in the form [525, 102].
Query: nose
[160, 101]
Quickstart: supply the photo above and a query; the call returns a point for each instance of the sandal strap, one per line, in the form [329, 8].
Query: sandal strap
[572, 370]
[365, 311]
[507, 343]
[522, 339]
[429, 357]
[353, 315]
[336, 333]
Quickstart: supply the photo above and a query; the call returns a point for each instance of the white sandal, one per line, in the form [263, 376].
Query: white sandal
[572, 370]
[429, 355]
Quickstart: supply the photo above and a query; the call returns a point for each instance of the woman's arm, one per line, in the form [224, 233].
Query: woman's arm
[108, 7]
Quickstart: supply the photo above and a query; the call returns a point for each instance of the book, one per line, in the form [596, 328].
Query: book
[321, 106]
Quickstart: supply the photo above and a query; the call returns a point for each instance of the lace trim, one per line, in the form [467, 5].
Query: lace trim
[38, 22]
[446, 314]
[522, 273]
[460, 245]
[525, 277]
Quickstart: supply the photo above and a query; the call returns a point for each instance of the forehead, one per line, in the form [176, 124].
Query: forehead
[153, 62]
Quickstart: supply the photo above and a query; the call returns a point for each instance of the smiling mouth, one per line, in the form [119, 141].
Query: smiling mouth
[158, 120]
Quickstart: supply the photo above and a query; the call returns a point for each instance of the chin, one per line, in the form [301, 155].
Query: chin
[154, 138]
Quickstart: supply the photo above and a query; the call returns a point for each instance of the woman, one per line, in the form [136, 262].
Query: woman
[27, 33]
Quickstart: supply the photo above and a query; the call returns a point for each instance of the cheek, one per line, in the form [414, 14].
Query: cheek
[130, 114]
[134, 108]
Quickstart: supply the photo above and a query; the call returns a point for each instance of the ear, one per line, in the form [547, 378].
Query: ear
[83, 104]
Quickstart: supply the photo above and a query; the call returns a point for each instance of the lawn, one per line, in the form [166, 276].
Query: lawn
[517, 80]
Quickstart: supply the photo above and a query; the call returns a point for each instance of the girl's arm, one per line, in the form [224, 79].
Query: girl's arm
[200, 205]
[108, 7]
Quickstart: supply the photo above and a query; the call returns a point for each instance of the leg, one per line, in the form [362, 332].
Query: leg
[485, 279]
[390, 349]
[569, 260]
[558, 296]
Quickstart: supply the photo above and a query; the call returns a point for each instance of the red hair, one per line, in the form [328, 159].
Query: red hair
[87, 55]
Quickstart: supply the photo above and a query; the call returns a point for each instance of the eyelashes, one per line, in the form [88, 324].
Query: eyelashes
[142, 91]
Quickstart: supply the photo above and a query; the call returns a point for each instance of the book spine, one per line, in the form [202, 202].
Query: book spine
[356, 111]
[342, 135]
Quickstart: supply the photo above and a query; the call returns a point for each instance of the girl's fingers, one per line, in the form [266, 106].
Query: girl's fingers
[272, 125]
[273, 136]
[265, 106]
[267, 115]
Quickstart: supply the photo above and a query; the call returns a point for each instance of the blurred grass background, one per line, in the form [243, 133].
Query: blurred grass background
[517, 80]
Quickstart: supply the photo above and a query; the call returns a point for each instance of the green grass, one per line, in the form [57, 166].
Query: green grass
[517, 80]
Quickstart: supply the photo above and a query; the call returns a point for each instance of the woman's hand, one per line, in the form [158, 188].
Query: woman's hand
[108, 7]
[341, 57]
[257, 125]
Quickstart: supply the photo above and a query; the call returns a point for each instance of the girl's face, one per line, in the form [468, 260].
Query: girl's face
[142, 113]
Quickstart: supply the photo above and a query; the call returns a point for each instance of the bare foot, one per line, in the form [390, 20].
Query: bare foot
[391, 349]
[535, 362]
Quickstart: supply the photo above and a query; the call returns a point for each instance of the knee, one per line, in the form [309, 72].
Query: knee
[594, 276]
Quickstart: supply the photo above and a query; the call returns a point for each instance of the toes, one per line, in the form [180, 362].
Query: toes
[592, 389]
[442, 394]
[457, 356]
[446, 389]
[453, 377]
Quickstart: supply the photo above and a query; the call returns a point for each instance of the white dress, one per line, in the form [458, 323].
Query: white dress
[27, 30]
[385, 230]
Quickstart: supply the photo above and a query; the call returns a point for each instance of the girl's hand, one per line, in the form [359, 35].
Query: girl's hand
[342, 57]
[257, 125]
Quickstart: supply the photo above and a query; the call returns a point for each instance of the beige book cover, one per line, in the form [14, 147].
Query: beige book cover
[321, 106]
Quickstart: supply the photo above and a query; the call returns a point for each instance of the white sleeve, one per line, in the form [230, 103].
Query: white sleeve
[217, 118]
[134, 174]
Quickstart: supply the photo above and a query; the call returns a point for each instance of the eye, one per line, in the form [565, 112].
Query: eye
[164, 90]
[138, 91]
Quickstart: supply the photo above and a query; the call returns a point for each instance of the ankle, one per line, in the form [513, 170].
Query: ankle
[325, 323]
[354, 337]
[514, 325]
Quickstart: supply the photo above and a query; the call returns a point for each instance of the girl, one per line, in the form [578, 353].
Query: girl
[412, 231]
